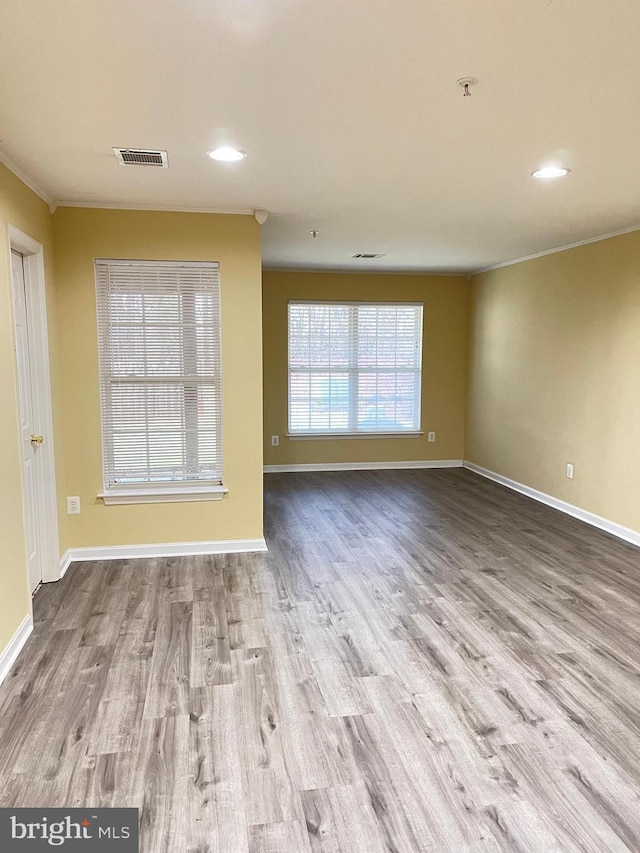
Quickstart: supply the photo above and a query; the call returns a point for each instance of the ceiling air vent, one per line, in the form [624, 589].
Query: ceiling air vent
[368, 256]
[141, 157]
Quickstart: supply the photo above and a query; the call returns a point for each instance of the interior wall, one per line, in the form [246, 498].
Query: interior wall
[554, 375]
[22, 208]
[444, 364]
[81, 235]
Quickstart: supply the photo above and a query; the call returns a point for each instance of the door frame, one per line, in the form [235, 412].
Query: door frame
[36, 302]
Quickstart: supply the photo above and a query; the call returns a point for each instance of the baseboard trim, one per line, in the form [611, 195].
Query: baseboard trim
[14, 647]
[164, 549]
[617, 530]
[362, 466]
[65, 562]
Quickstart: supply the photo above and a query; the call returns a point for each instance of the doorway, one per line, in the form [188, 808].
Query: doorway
[34, 408]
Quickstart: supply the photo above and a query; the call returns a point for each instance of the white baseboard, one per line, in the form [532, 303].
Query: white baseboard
[14, 647]
[168, 549]
[362, 466]
[626, 533]
[65, 562]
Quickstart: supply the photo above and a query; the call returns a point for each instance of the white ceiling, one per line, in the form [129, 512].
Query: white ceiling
[350, 115]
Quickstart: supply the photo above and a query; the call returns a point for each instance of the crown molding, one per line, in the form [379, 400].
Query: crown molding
[168, 208]
[557, 249]
[342, 271]
[29, 182]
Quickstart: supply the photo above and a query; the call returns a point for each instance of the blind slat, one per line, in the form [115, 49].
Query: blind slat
[160, 372]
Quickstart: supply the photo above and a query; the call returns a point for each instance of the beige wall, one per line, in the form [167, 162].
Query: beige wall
[22, 208]
[554, 375]
[84, 234]
[444, 359]
[552, 351]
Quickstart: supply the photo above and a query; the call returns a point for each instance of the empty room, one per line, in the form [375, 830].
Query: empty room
[319, 446]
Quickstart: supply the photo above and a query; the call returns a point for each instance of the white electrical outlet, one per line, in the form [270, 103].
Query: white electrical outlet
[275, 441]
[569, 471]
[73, 506]
[431, 436]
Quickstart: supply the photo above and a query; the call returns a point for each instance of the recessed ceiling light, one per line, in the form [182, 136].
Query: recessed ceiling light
[550, 172]
[227, 155]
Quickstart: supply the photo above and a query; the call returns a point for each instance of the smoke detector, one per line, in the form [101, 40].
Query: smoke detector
[141, 157]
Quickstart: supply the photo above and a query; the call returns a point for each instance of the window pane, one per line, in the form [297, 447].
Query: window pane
[159, 343]
[319, 336]
[354, 367]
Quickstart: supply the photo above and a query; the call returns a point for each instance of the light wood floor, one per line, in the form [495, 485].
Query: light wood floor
[423, 661]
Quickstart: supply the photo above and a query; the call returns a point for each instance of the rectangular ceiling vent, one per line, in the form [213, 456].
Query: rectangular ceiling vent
[368, 256]
[141, 157]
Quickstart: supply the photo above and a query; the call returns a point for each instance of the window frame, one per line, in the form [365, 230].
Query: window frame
[308, 435]
[159, 490]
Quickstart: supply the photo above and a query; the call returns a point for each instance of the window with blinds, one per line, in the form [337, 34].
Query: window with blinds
[354, 367]
[160, 373]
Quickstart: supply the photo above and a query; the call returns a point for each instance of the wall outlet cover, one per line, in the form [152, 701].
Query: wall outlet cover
[73, 505]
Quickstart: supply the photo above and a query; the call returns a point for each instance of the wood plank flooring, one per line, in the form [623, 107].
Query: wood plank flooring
[424, 661]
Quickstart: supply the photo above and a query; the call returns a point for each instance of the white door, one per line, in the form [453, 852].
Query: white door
[31, 439]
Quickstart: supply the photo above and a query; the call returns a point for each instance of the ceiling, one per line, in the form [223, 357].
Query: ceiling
[350, 115]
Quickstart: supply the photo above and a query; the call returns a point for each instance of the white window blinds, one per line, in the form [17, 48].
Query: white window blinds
[160, 372]
[354, 367]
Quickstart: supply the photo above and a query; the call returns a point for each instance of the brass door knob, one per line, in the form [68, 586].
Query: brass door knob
[36, 439]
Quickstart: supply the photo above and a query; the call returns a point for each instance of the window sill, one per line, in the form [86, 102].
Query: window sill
[163, 495]
[306, 436]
